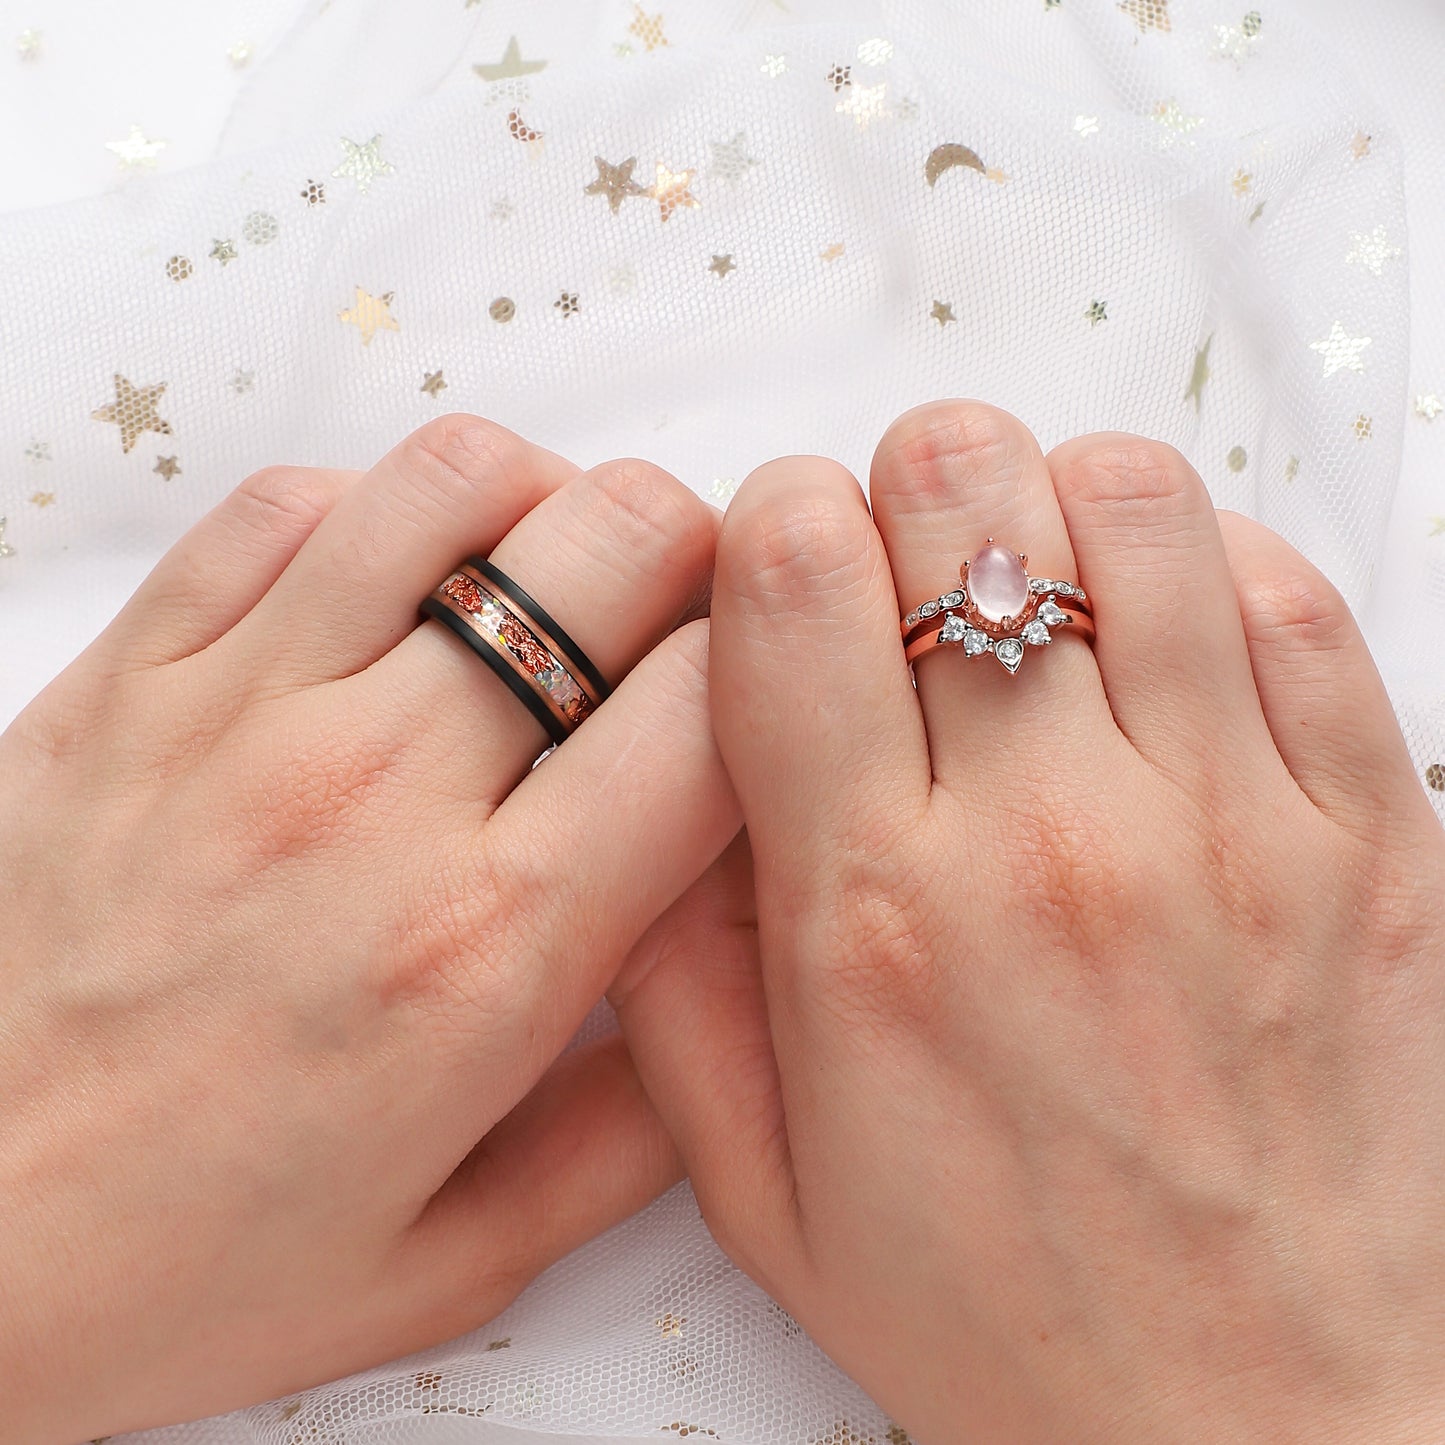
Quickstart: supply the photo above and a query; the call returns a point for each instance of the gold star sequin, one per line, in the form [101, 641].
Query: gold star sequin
[242, 382]
[723, 489]
[511, 66]
[897, 1435]
[370, 314]
[568, 304]
[314, 193]
[6, 550]
[1199, 377]
[134, 411]
[362, 163]
[1372, 252]
[1236, 42]
[1175, 123]
[839, 76]
[1360, 145]
[503, 1344]
[730, 159]
[434, 384]
[1429, 406]
[167, 467]
[224, 251]
[1364, 427]
[1437, 526]
[1341, 351]
[29, 43]
[38, 452]
[670, 1325]
[774, 65]
[1147, 14]
[42, 499]
[615, 182]
[942, 313]
[136, 152]
[1242, 182]
[671, 191]
[721, 265]
[865, 103]
[647, 28]
[1098, 311]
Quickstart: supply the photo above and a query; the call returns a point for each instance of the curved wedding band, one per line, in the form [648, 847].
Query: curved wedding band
[999, 610]
[511, 632]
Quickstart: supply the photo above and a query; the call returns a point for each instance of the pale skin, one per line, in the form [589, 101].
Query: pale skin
[1065, 1051]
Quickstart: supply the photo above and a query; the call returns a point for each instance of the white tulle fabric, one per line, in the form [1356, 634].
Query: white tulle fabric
[1150, 180]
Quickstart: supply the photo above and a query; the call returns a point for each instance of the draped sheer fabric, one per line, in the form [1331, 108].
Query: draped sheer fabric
[1217, 226]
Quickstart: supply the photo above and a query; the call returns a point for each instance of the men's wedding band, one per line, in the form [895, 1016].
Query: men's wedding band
[522, 643]
[998, 610]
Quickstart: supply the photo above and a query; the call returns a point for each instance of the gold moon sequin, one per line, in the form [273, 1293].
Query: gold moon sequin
[946, 157]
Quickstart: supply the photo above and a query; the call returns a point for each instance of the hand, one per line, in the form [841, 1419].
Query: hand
[292, 938]
[1080, 1074]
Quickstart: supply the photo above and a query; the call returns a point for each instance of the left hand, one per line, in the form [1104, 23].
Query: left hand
[1079, 1073]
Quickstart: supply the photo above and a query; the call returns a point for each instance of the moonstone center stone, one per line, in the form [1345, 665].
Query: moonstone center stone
[998, 583]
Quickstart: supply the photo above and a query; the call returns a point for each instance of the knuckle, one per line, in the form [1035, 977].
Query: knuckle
[944, 447]
[282, 494]
[1132, 472]
[450, 457]
[645, 512]
[808, 540]
[1290, 606]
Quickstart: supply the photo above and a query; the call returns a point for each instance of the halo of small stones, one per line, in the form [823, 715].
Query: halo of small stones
[963, 627]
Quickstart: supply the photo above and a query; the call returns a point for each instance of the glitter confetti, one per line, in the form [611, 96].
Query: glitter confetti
[167, 467]
[362, 163]
[672, 191]
[647, 28]
[434, 384]
[1429, 406]
[1364, 427]
[1098, 311]
[224, 251]
[774, 65]
[42, 499]
[38, 452]
[260, 228]
[511, 66]
[1147, 14]
[615, 182]
[134, 411]
[370, 314]
[1341, 351]
[1237, 459]
[730, 160]
[946, 157]
[6, 550]
[721, 265]
[942, 313]
[1372, 252]
[314, 193]
[568, 304]
[502, 309]
[1199, 377]
[30, 45]
[136, 152]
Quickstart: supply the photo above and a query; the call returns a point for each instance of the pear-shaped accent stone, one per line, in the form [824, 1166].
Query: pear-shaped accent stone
[1010, 652]
[975, 642]
[1036, 634]
[1052, 615]
[953, 629]
[998, 583]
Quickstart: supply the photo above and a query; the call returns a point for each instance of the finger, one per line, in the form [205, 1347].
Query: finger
[225, 564]
[535, 911]
[1170, 647]
[946, 478]
[811, 695]
[691, 1003]
[581, 1153]
[454, 487]
[1322, 695]
[619, 556]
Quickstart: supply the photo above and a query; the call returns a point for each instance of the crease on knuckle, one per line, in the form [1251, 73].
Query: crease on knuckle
[448, 461]
[801, 544]
[1295, 607]
[961, 447]
[1137, 475]
[637, 512]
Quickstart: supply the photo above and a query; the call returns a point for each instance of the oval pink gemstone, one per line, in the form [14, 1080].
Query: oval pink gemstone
[998, 583]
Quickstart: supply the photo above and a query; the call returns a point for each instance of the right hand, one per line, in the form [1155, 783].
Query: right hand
[292, 939]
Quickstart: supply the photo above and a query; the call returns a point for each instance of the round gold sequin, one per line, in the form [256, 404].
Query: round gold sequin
[260, 228]
[179, 268]
[1237, 459]
[502, 309]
